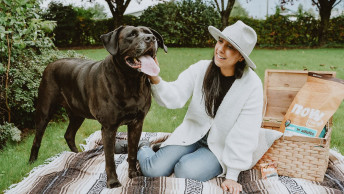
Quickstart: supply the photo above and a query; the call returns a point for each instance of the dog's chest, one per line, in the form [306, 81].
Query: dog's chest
[132, 103]
[134, 108]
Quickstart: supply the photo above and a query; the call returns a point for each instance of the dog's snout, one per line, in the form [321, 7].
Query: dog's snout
[150, 38]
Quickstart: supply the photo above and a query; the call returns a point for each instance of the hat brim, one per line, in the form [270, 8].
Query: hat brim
[217, 33]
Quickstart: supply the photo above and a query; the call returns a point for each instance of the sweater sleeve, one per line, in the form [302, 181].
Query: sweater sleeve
[242, 140]
[175, 94]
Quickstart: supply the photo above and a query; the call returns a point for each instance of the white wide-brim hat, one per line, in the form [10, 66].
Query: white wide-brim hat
[241, 36]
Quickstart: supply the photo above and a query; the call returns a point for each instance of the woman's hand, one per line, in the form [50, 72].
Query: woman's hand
[231, 186]
[155, 79]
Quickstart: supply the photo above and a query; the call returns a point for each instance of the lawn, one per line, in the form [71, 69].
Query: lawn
[14, 157]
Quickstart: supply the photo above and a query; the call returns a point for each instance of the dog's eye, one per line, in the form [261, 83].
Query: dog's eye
[147, 31]
[133, 34]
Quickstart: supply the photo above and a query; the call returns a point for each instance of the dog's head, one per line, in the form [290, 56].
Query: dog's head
[136, 45]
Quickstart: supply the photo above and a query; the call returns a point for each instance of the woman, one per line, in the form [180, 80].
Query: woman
[220, 130]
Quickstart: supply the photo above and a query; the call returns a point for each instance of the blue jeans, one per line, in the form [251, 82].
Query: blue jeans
[194, 161]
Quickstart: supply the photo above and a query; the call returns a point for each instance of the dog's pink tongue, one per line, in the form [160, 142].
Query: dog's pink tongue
[148, 65]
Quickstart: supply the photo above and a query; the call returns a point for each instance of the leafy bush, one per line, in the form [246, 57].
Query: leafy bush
[66, 19]
[336, 30]
[97, 11]
[279, 31]
[183, 23]
[76, 26]
[9, 131]
[26, 77]
[25, 51]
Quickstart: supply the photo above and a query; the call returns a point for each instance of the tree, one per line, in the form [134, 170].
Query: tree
[238, 11]
[117, 9]
[224, 12]
[96, 12]
[325, 7]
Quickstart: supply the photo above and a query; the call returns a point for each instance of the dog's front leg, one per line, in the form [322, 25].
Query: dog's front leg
[134, 134]
[108, 136]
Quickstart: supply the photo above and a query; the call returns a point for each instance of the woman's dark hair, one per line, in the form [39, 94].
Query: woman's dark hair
[211, 84]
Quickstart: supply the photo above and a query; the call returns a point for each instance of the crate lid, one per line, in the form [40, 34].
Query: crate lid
[280, 88]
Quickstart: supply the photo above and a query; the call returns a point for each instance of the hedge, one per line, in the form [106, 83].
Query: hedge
[25, 50]
[184, 24]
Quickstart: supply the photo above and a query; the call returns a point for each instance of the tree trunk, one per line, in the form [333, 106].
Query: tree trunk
[325, 7]
[224, 21]
[226, 13]
[118, 11]
[118, 20]
[325, 14]
[9, 47]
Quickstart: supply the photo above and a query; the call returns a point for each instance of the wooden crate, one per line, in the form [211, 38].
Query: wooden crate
[296, 156]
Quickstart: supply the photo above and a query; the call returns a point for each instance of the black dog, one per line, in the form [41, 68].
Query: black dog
[113, 91]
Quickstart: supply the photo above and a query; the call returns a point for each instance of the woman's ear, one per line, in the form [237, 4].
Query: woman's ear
[241, 59]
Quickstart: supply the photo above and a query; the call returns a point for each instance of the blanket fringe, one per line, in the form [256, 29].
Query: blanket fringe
[46, 162]
[335, 151]
[94, 136]
[213, 185]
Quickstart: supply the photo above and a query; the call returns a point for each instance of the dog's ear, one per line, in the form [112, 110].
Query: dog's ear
[110, 40]
[160, 40]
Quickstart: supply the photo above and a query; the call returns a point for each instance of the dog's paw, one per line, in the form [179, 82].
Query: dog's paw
[32, 159]
[112, 183]
[133, 174]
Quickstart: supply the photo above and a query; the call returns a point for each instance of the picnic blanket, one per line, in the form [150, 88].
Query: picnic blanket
[84, 172]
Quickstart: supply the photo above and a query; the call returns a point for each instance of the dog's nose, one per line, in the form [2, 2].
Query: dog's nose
[150, 38]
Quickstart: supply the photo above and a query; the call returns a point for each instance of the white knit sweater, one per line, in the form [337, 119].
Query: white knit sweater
[233, 135]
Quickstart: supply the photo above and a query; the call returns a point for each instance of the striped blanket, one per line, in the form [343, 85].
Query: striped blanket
[84, 172]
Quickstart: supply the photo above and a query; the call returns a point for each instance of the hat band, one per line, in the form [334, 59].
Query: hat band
[235, 44]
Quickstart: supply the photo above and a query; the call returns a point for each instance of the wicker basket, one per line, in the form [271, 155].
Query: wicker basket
[296, 156]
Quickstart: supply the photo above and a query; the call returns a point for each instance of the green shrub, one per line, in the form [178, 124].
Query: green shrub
[279, 31]
[183, 23]
[66, 19]
[97, 11]
[9, 131]
[336, 30]
[77, 27]
[25, 78]
[25, 51]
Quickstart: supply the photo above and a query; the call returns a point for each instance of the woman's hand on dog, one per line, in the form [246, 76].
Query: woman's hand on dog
[155, 79]
[231, 186]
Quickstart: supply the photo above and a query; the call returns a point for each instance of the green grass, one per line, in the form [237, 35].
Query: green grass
[14, 157]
